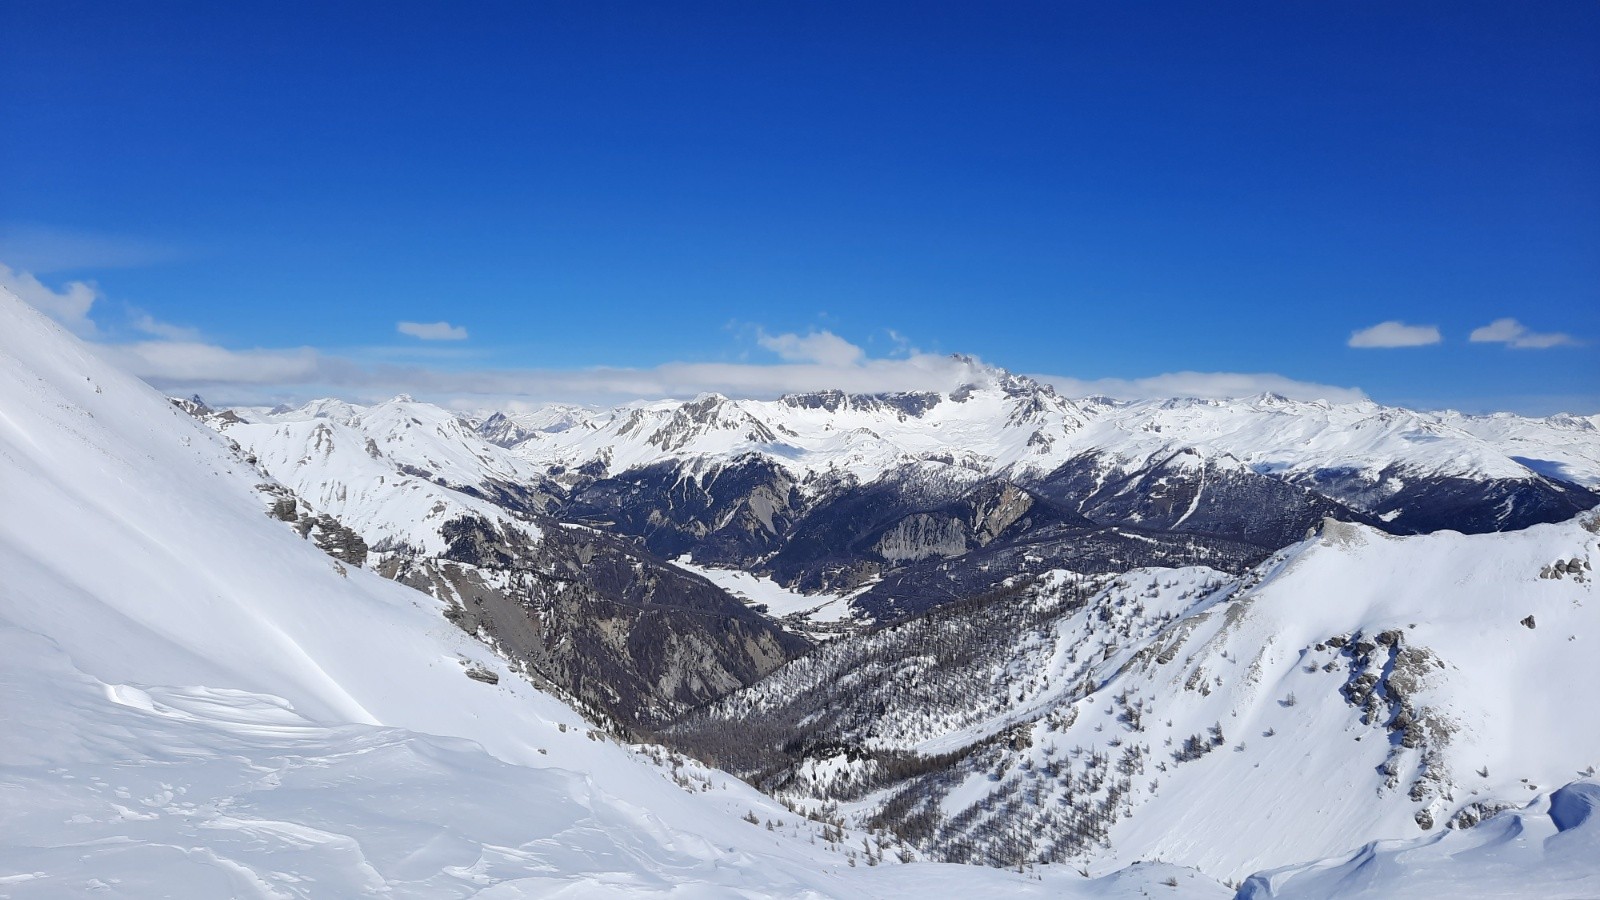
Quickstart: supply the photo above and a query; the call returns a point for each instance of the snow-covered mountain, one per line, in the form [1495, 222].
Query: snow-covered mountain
[1353, 687]
[1011, 424]
[507, 429]
[731, 481]
[414, 493]
[887, 497]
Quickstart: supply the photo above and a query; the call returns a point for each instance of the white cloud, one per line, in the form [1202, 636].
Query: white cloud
[1204, 385]
[1515, 334]
[69, 306]
[148, 324]
[180, 363]
[261, 376]
[821, 347]
[433, 331]
[166, 363]
[1395, 334]
[250, 376]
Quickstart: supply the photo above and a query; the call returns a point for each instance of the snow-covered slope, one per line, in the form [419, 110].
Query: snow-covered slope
[342, 472]
[395, 471]
[1353, 687]
[628, 637]
[1546, 850]
[1391, 685]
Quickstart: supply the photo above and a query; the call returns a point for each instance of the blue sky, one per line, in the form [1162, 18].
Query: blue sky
[749, 197]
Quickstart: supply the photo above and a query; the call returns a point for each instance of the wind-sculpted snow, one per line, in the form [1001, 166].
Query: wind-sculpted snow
[1547, 850]
[149, 791]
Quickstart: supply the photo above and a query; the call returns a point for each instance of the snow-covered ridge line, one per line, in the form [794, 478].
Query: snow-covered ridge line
[1014, 424]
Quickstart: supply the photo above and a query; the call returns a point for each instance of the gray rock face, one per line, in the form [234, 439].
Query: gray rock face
[329, 534]
[630, 640]
[333, 538]
[729, 514]
[931, 535]
[626, 637]
[920, 536]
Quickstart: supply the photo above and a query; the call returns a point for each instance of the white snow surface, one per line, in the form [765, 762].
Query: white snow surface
[780, 602]
[1547, 850]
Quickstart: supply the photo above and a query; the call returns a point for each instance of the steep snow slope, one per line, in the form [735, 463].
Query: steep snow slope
[194, 697]
[1389, 684]
[342, 472]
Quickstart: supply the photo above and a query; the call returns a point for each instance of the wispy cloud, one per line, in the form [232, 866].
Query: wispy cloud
[70, 305]
[238, 376]
[145, 323]
[1395, 334]
[902, 344]
[1203, 385]
[821, 347]
[432, 331]
[1514, 334]
[272, 375]
[176, 363]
